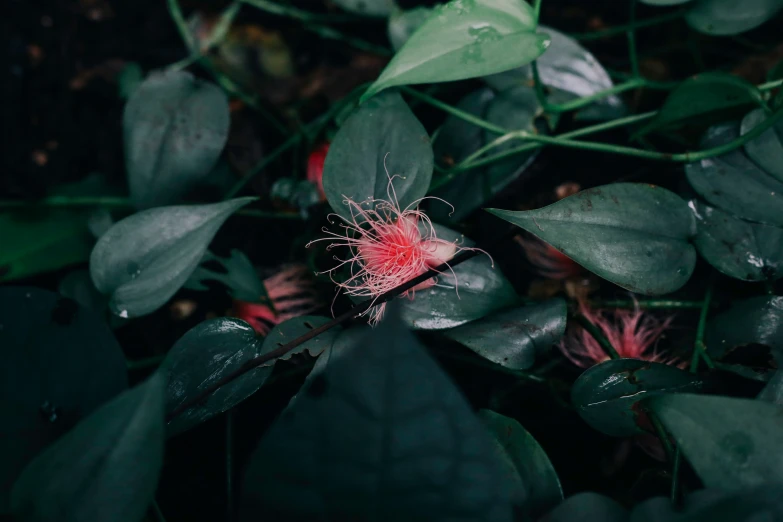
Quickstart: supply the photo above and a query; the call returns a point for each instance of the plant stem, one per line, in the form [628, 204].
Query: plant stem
[675, 491]
[699, 348]
[536, 10]
[660, 430]
[620, 29]
[230, 465]
[290, 11]
[475, 120]
[330, 33]
[596, 333]
[356, 311]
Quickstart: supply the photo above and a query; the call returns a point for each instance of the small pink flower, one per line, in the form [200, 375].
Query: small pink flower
[290, 293]
[547, 260]
[633, 333]
[388, 246]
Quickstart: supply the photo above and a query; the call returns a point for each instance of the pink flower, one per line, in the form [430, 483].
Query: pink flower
[387, 246]
[633, 333]
[291, 294]
[548, 261]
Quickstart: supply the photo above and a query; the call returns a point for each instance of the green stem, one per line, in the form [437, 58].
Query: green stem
[290, 11]
[699, 348]
[620, 29]
[632, 54]
[536, 10]
[475, 120]
[675, 491]
[332, 34]
[657, 304]
[596, 333]
[660, 430]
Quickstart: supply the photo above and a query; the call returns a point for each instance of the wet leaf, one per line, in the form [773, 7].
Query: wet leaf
[106, 468]
[175, 128]
[588, 507]
[218, 347]
[465, 39]
[731, 443]
[734, 183]
[367, 7]
[458, 139]
[381, 136]
[386, 415]
[633, 234]
[727, 17]
[59, 363]
[480, 290]
[758, 320]
[607, 395]
[739, 249]
[766, 150]
[144, 259]
[526, 462]
[516, 337]
[704, 99]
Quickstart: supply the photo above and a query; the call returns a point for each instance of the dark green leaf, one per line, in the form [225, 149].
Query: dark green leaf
[633, 234]
[402, 24]
[607, 395]
[527, 463]
[713, 505]
[367, 7]
[105, 469]
[731, 443]
[175, 128]
[758, 320]
[704, 99]
[145, 258]
[588, 507]
[240, 276]
[765, 150]
[458, 139]
[727, 17]
[481, 289]
[515, 338]
[382, 413]
[214, 349]
[739, 249]
[465, 39]
[129, 78]
[734, 183]
[59, 363]
[773, 391]
[78, 285]
[382, 138]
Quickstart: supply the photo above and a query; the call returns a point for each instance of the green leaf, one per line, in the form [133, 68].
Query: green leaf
[633, 234]
[480, 290]
[381, 136]
[144, 259]
[175, 128]
[588, 507]
[704, 99]
[731, 443]
[78, 285]
[773, 391]
[457, 139]
[728, 17]
[465, 39]
[526, 462]
[607, 395]
[758, 320]
[105, 469]
[739, 249]
[218, 347]
[382, 413]
[367, 7]
[59, 363]
[569, 71]
[713, 505]
[240, 276]
[765, 150]
[42, 239]
[129, 79]
[734, 183]
[402, 24]
[516, 337]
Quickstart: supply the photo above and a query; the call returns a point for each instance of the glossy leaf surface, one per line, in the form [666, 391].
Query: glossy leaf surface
[728, 17]
[758, 320]
[766, 150]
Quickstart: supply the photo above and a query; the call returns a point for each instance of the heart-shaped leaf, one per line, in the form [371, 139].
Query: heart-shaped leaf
[458, 139]
[588, 507]
[106, 468]
[526, 462]
[766, 150]
[731, 443]
[739, 249]
[144, 259]
[381, 139]
[758, 320]
[59, 363]
[734, 183]
[607, 395]
[465, 39]
[635, 235]
[175, 128]
[727, 17]
[515, 338]
[218, 347]
[382, 413]
[470, 291]
[704, 99]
